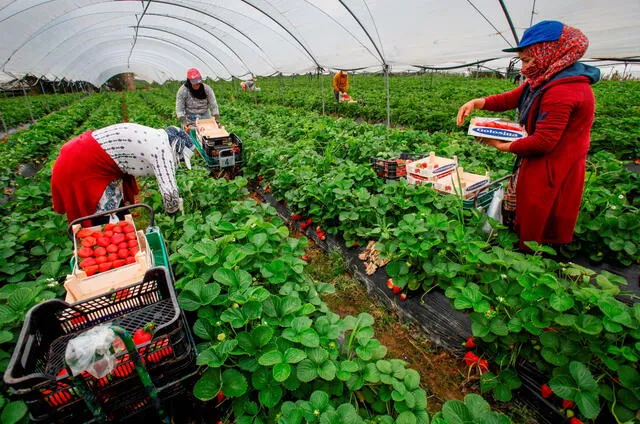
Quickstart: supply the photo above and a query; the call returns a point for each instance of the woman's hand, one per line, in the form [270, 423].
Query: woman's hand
[466, 109]
[500, 145]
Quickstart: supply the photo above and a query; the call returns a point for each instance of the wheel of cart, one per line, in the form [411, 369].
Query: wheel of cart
[484, 196]
[129, 251]
[222, 151]
[146, 374]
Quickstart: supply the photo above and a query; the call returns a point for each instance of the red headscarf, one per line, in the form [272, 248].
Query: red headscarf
[551, 57]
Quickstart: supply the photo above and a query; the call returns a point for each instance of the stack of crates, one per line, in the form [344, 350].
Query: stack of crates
[394, 168]
[36, 372]
[221, 151]
[430, 169]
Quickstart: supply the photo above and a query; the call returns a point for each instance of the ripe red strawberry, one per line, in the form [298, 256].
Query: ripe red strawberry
[117, 238]
[220, 396]
[85, 263]
[123, 245]
[158, 355]
[129, 229]
[396, 289]
[574, 420]
[78, 320]
[566, 403]
[112, 248]
[90, 270]
[118, 263]
[121, 295]
[546, 391]
[103, 241]
[108, 227]
[403, 296]
[83, 233]
[88, 241]
[123, 253]
[85, 252]
[470, 343]
[125, 368]
[132, 243]
[483, 365]
[105, 266]
[99, 251]
[130, 260]
[390, 283]
[144, 334]
[470, 358]
[306, 258]
[295, 217]
[112, 257]
[133, 251]
[117, 230]
[131, 236]
[267, 190]
[97, 234]
[108, 234]
[57, 399]
[123, 224]
[260, 178]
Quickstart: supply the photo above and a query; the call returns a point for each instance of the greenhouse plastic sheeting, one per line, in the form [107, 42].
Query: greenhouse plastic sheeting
[159, 40]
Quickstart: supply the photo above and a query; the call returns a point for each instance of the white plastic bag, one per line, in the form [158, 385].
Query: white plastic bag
[495, 209]
[90, 351]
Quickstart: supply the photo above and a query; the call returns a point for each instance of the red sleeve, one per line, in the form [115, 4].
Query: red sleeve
[504, 101]
[555, 111]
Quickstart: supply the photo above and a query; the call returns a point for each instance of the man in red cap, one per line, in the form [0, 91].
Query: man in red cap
[196, 99]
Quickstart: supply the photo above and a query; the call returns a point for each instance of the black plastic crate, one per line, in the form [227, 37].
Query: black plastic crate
[394, 168]
[33, 371]
[121, 403]
[223, 152]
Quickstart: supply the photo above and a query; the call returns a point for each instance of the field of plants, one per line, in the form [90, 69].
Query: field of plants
[270, 347]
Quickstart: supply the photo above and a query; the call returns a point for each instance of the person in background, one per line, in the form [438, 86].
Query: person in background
[252, 84]
[340, 84]
[556, 106]
[195, 99]
[95, 172]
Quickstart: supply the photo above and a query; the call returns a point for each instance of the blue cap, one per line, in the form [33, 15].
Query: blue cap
[540, 32]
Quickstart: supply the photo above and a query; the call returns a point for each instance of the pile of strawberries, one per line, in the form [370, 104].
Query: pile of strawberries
[115, 246]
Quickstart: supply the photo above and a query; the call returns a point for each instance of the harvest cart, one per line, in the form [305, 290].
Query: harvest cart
[151, 252]
[484, 196]
[222, 151]
[144, 375]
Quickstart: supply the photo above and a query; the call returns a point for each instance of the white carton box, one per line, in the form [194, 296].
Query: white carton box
[430, 169]
[464, 184]
[496, 128]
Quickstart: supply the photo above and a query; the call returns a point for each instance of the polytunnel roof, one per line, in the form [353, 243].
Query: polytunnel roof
[92, 40]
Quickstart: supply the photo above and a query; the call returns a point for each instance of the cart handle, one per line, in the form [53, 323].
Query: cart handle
[499, 180]
[109, 212]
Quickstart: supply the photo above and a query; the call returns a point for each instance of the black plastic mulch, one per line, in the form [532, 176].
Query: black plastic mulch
[434, 315]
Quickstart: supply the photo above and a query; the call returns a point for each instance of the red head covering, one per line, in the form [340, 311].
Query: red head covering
[551, 57]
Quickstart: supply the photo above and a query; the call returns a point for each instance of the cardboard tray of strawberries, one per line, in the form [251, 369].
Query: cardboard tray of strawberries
[106, 257]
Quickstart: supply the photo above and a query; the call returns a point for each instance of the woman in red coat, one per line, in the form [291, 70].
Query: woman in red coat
[556, 105]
